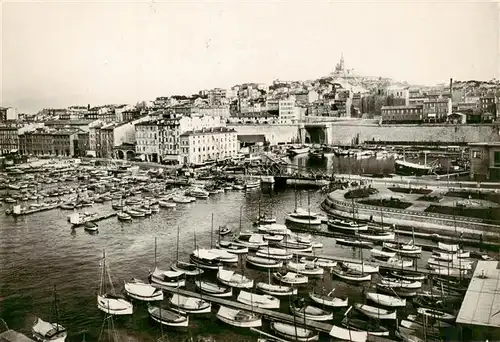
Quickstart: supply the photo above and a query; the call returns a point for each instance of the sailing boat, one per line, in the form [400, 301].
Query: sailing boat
[265, 218]
[303, 217]
[107, 300]
[182, 266]
[233, 279]
[49, 332]
[328, 299]
[163, 278]
[167, 317]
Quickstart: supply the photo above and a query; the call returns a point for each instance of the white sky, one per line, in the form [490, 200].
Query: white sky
[62, 53]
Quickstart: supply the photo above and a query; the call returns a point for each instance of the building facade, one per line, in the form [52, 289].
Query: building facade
[9, 138]
[436, 110]
[214, 110]
[402, 114]
[288, 112]
[8, 114]
[484, 161]
[44, 141]
[200, 146]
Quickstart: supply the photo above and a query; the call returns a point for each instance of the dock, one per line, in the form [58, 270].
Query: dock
[94, 219]
[266, 313]
[21, 212]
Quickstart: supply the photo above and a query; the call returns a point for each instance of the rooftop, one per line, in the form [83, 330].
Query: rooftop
[212, 130]
[403, 107]
[481, 304]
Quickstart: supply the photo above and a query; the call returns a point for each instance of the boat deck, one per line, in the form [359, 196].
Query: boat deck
[270, 314]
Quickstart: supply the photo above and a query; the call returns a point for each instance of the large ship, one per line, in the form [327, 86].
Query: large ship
[407, 168]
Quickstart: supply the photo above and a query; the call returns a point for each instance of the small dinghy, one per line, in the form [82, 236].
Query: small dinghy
[439, 315]
[262, 262]
[239, 318]
[114, 305]
[308, 269]
[351, 275]
[311, 312]
[167, 278]
[274, 253]
[276, 290]
[374, 312]
[325, 263]
[168, 317]
[291, 278]
[213, 289]
[139, 290]
[361, 267]
[122, 216]
[328, 300]
[260, 301]
[232, 247]
[91, 227]
[190, 304]
[351, 242]
[386, 300]
[224, 230]
[48, 332]
[348, 335]
[233, 279]
[379, 253]
[294, 333]
[187, 268]
[363, 325]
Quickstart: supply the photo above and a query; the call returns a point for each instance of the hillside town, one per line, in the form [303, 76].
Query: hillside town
[164, 130]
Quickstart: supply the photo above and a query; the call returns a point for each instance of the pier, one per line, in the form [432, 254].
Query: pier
[266, 313]
[17, 211]
[93, 219]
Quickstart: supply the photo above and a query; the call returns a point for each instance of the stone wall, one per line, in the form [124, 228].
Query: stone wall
[274, 133]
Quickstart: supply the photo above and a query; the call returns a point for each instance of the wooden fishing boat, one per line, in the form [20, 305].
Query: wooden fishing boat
[291, 278]
[190, 304]
[91, 226]
[205, 259]
[399, 291]
[48, 332]
[168, 317]
[311, 312]
[457, 263]
[293, 332]
[449, 256]
[187, 268]
[122, 216]
[309, 270]
[408, 275]
[140, 290]
[274, 253]
[351, 275]
[224, 256]
[386, 300]
[448, 247]
[403, 248]
[260, 301]
[393, 262]
[346, 226]
[167, 279]
[233, 279]
[377, 235]
[295, 246]
[374, 312]
[325, 263]
[276, 290]
[232, 247]
[274, 228]
[239, 318]
[439, 315]
[273, 238]
[251, 240]
[262, 262]
[361, 267]
[303, 217]
[407, 284]
[224, 230]
[379, 253]
[166, 204]
[348, 335]
[434, 323]
[213, 289]
[352, 242]
[367, 326]
[329, 300]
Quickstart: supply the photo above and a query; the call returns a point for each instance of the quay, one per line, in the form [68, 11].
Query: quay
[269, 314]
[17, 211]
[91, 219]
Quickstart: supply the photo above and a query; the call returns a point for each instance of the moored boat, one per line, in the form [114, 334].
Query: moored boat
[292, 332]
[263, 262]
[260, 301]
[386, 300]
[377, 235]
[351, 275]
[239, 318]
[190, 304]
[122, 216]
[233, 279]
[276, 290]
[374, 312]
[366, 326]
[439, 315]
[213, 289]
[163, 278]
[308, 269]
[346, 226]
[168, 317]
[328, 300]
[403, 248]
[353, 242]
[310, 312]
[187, 268]
[231, 247]
[291, 278]
[48, 332]
[142, 291]
[361, 267]
[303, 217]
[274, 253]
[348, 335]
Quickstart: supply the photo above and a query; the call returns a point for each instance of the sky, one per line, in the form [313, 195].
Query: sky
[61, 53]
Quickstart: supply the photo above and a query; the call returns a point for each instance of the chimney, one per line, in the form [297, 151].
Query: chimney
[451, 87]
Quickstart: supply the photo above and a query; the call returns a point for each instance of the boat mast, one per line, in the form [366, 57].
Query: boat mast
[155, 253]
[212, 232]
[177, 252]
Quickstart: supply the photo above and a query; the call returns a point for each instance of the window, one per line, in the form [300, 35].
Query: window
[496, 158]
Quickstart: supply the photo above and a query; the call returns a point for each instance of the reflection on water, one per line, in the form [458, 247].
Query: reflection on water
[332, 164]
